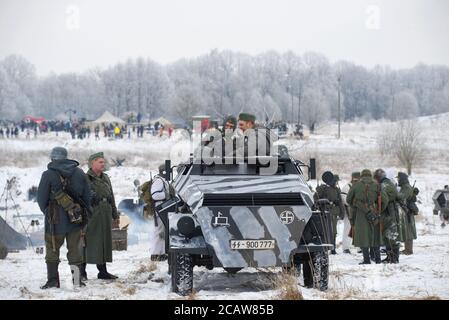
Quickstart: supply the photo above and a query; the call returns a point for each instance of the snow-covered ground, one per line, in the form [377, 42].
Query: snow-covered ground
[422, 275]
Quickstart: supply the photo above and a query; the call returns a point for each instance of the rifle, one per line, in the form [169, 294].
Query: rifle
[52, 211]
[83, 237]
[78, 199]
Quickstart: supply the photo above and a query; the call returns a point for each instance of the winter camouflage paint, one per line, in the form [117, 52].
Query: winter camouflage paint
[211, 199]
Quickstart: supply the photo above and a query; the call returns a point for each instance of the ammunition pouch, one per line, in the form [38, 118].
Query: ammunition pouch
[74, 211]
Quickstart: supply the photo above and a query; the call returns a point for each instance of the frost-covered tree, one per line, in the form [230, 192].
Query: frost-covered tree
[405, 106]
[272, 84]
[315, 110]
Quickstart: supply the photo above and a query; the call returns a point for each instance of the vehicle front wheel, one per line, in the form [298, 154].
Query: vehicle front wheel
[316, 271]
[181, 267]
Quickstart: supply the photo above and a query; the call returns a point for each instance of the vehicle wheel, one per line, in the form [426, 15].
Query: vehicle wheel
[232, 270]
[181, 266]
[316, 271]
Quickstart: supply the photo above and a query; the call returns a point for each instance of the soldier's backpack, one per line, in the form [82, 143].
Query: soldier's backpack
[149, 208]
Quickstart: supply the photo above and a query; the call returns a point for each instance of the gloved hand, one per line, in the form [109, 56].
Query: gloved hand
[371, 216]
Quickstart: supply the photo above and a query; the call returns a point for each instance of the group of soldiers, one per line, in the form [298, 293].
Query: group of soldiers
[239, 136]
[376, 212]
[79, 209]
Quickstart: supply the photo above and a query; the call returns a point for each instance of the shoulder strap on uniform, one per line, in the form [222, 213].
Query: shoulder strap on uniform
[61, 178]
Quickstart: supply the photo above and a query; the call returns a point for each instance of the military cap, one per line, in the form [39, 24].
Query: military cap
[247, 117]
[402, 175]
[355, 175]
[161, 169]
[366, 173]
[96, 156]
[58, 153]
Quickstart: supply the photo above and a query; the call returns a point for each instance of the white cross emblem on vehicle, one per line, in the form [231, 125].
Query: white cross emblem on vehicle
[287, 217]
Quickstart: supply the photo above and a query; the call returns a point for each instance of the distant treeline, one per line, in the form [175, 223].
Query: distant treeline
[274, 86]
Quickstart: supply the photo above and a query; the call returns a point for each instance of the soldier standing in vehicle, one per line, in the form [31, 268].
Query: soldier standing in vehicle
[349, 216]
[246, 121]
[228, 135]
[331, 192]
[407, 199]
[99, 229]
[62, 213]
[389, 218]
[368, 200]
[249, 133]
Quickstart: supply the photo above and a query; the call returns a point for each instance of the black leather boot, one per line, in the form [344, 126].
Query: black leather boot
[52, 276]
[104, 274]
[83, 272]
[371, 254]
[376, 251]
[366, 256]
[396, 254]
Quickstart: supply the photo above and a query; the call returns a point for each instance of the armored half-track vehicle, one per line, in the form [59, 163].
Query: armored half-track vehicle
[231, 216]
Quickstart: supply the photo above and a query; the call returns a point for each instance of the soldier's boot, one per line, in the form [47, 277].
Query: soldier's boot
[376, 251]
[76, 276]
[395, 255]
[371, 254]
[366, 256]
[408, 250]
[52, 276]
[104, 274]
[83, 272]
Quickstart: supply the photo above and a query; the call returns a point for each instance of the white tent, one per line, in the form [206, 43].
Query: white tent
[107, 117]
[163, 121]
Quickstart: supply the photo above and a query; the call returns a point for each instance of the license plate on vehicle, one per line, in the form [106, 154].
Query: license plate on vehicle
[252, 244]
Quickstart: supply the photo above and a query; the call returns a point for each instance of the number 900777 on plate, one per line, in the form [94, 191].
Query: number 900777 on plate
[252, 244]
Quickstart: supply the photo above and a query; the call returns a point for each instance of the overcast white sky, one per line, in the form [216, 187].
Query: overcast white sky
[61, 35]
